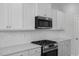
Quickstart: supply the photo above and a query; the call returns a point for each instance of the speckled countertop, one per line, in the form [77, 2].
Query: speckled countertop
[17, 48]
[26, 46]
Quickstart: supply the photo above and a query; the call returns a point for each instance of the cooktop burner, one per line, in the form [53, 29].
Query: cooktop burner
[44, 42]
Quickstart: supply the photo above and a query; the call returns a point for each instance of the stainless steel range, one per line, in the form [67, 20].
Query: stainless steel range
[48, 47]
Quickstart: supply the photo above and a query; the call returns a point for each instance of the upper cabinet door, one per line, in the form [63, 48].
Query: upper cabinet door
[60, 18]
[48, 9]
[15, 15]
[29, 16]
[40, 9]
[3, 16]
[43, 9]
[54, 18]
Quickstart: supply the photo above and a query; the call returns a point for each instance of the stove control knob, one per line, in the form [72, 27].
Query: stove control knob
[55, 44]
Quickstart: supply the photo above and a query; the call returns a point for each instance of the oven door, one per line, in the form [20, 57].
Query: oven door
[53, 52]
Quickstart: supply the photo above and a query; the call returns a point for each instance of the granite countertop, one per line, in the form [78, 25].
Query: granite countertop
[26, 46]
[17, 48]
[62, 38]
[59, 39]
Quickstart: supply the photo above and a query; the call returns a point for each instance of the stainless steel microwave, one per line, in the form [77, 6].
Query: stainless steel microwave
[43, 22]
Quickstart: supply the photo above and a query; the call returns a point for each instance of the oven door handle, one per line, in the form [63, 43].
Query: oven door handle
[50, 49]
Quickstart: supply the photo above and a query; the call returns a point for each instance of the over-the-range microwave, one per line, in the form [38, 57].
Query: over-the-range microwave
[43, 22]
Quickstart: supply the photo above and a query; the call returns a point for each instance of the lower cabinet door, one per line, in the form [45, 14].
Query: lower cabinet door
[64, 48]
[60, 49]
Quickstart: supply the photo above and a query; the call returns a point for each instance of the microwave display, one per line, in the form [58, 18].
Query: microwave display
[43, 22]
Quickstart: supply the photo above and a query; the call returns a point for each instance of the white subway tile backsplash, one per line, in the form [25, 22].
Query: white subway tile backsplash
[11, 38]
[14, 38]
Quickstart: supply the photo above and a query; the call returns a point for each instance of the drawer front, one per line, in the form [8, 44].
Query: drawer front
[35, 51]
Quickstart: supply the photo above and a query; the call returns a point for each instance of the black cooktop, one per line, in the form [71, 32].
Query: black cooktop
[44, 42]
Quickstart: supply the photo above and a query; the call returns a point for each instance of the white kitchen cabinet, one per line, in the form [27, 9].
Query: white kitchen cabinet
[35, 9]
[3, 16]
[29, 16]
[75, 40]
[43, 9]
[75, 47]
[54, 18]
[30, 10]
[22, 15]
[15, 11]
[60, 19]
[11, 16]
[69, 23]
[17, 16]
[64, 48]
